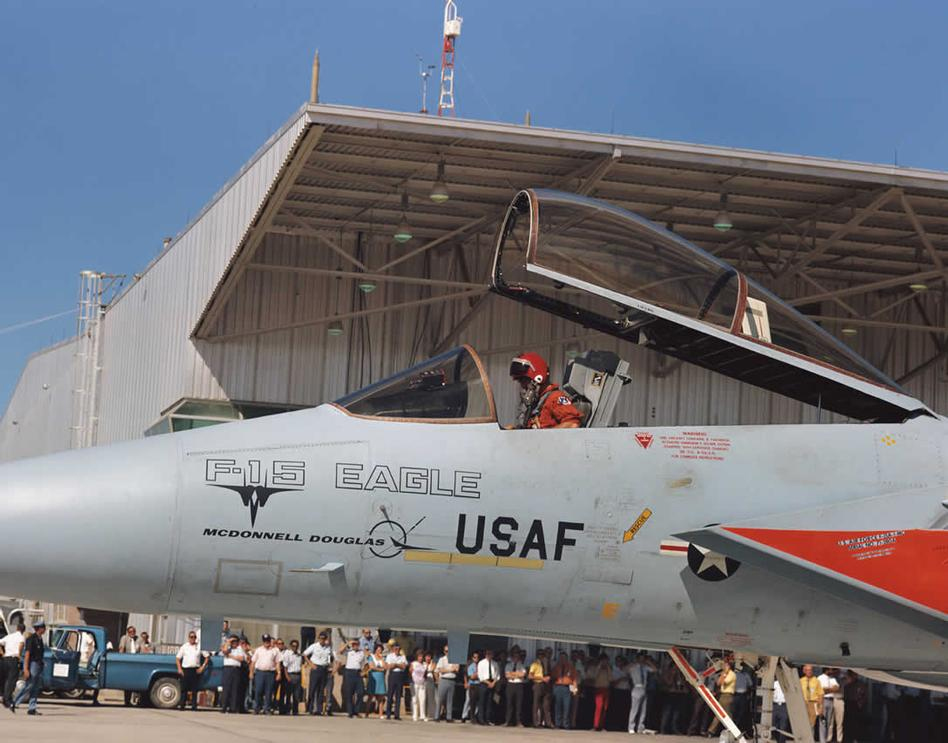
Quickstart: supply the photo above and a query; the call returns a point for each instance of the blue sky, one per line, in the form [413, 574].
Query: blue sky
[119, 120]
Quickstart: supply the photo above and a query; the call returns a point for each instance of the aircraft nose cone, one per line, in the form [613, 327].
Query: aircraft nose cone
[89, 527]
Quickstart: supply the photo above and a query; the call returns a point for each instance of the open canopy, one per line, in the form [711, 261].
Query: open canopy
[635, 280]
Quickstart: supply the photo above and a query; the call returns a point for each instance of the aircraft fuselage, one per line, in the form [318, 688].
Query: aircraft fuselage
[318, 516]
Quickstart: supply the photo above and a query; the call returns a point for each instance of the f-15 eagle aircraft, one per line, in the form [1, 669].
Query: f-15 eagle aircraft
[823, 543]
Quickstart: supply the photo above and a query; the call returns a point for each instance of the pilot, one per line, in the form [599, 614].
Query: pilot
[542, 404]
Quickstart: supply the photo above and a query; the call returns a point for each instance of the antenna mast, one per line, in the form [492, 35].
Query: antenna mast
[452, 29]
[425, 72]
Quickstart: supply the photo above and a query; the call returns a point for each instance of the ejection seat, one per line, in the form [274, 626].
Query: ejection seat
[594, 380]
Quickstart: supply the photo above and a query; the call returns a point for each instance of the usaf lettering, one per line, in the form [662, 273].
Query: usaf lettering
[504, 532]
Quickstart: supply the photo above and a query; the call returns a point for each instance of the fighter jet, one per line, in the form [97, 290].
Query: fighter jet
[407, 505]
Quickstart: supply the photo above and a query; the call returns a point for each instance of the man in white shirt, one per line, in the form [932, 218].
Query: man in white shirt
[12, 646]
[396, 663]
[319, 657]
[781, 720]
[352, 686]
[234, 659]
[516, 673]
[447, 674]
[292, 679]
[833, 708]
[264, 666]
[488, 672]
[191, 663]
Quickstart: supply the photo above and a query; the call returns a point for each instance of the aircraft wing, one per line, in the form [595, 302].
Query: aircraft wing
[898, 572]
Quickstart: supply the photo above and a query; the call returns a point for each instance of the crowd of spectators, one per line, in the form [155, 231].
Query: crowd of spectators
[637, 692]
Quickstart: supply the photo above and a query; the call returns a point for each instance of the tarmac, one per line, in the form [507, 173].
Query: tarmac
[114, 723]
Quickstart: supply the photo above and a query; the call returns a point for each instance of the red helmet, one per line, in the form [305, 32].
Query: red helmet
[530, 366]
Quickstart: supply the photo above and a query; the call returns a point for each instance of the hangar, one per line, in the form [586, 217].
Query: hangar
[356, 242]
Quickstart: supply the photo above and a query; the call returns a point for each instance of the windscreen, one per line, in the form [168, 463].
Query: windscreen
[451, 388]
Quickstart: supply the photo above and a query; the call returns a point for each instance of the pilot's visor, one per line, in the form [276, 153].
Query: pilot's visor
[521, 368]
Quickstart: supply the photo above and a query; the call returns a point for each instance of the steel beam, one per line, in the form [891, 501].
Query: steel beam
[346, 316]
[813, 282]
[850, 291]
[922, 235]
[312, 232]
[357, 275]
[860, 322]
[857, 219]
[924, 366]
[246, 251]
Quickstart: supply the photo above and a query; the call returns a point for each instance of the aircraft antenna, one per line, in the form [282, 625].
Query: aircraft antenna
[452, 29]
[425, 72]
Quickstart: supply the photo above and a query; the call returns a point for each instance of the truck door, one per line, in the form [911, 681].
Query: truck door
[61, 668]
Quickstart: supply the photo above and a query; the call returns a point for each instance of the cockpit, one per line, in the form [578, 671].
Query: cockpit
[450, 388]
[454, 388]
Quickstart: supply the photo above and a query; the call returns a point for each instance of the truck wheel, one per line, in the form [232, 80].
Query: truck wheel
[165, 693]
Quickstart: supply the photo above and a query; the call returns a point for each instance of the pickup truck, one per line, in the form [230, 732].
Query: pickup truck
[76, 659]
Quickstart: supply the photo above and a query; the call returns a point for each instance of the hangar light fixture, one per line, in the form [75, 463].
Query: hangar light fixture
[918, 286]
[334, 328]
[366, 286]
[849, 331]
[403, 231]
[722, 221]
[439, 191]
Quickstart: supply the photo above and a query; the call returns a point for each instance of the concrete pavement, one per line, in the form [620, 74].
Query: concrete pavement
[113, 723]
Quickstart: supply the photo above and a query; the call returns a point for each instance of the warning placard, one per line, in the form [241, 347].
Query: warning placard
[696, 445]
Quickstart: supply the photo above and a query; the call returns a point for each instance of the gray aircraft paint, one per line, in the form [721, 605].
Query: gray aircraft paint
[124, 526]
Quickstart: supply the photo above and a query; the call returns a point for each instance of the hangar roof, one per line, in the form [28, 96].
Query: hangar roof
[814, 230]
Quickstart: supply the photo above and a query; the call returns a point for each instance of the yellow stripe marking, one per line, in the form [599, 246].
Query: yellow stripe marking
[424, 556]
[456, 558]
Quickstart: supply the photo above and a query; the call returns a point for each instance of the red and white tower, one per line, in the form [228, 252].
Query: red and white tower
[452, 29]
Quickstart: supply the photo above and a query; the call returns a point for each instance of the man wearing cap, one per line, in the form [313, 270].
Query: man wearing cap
[319, 658]
[292, 679]
[264, 665]
[189, 661]
[396, 663]
[352, 686]
[234, 658]
[32, 668]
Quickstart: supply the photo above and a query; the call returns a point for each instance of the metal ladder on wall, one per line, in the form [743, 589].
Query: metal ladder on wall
[95, 292]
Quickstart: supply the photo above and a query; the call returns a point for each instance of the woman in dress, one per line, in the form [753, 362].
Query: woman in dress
[377, 680]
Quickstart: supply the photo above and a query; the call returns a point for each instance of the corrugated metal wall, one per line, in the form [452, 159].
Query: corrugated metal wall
[148, 361]
[38, 417]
